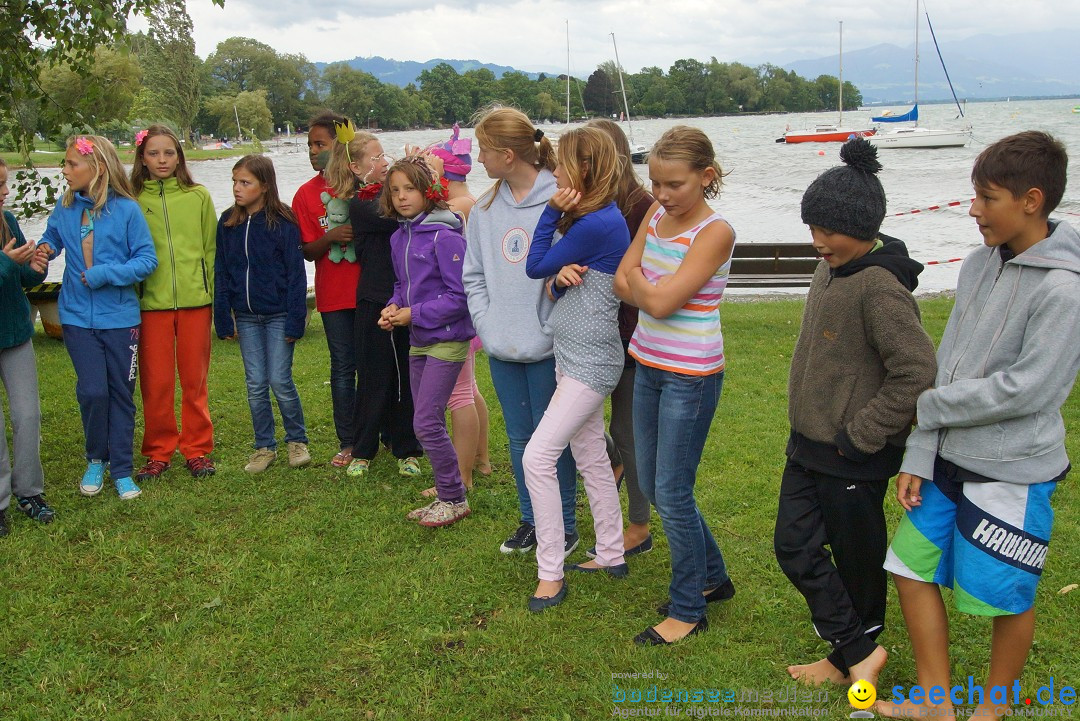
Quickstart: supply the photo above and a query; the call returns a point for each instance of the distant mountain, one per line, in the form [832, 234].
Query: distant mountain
[982, 66]
[403, 72]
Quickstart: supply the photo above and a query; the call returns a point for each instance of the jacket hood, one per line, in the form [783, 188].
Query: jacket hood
[435, 220]
[893, 257]
[1059, 250]
[541, 192]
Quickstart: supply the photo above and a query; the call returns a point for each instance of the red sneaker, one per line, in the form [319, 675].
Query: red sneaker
[152, 470]
[201, 466]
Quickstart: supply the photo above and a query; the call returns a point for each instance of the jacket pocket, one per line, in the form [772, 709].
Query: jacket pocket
[205, 281]
[1009, 440]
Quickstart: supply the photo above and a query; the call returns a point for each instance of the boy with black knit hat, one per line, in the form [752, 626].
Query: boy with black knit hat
[860, 363]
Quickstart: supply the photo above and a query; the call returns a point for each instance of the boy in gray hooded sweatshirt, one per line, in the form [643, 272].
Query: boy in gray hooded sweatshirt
[989, 445]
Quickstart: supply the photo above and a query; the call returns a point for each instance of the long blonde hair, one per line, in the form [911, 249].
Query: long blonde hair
[631, 189]
[108, 173]
[510, 129]
[693, 147]
[588, 163]
[340, 178]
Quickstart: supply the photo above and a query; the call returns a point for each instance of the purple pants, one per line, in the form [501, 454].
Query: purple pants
[432, 383]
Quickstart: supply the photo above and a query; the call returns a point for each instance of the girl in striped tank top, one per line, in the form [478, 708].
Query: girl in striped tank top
[675, 272]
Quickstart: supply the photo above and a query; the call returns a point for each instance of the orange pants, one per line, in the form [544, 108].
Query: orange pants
[175, 342]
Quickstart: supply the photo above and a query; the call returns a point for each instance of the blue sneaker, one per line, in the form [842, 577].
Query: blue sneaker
[93, 479]
[126, 487]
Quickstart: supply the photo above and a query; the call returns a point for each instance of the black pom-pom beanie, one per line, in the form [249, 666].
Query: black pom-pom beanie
[849, 198]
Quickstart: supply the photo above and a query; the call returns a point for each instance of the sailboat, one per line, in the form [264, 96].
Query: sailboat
[828, 133]
[639, 153]
[917, 136]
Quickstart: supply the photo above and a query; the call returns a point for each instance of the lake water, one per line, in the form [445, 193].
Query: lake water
[761, 195]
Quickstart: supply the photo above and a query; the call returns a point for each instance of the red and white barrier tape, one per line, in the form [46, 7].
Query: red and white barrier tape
[950, 204]
[942, 262]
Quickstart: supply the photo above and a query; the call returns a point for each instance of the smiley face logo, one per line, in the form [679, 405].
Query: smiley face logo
[862, 694]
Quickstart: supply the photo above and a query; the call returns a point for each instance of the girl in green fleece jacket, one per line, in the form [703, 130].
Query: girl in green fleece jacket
[177, 305]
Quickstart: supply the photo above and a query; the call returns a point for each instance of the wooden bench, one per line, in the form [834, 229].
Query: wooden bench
[772, 265]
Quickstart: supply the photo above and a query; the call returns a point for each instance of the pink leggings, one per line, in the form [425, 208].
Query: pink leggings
[574, 417]
[465, 387]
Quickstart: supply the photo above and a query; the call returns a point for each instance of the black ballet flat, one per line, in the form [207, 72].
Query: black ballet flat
[620, 570]
[649, 637]
[724, 592]
[539, 603]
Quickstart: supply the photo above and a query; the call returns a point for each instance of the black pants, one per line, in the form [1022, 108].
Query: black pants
[384, 397]
[845, 590]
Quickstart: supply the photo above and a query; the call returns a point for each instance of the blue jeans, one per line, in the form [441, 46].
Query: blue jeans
[672, 415]
[340, 340]
[524, 390]
[268, 365]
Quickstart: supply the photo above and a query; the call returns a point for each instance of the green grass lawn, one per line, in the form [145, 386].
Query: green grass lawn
[303, 594]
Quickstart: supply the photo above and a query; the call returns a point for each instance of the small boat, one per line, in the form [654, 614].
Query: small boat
[827, 133]
[919, 137]
[639, 153]
[1076, 108]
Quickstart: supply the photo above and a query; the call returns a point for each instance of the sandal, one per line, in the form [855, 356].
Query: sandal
[409, 467]
[342, 459]
[358, 467]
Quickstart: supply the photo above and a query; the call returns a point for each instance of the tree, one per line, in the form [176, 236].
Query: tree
[446, 92]
[249, 107]
[105, 92]
[66, 33]
[598, 92]
[172, 71]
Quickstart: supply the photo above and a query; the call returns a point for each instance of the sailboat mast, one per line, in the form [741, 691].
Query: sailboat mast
[626, 106]
[840, 101]
[567, 72]
[916, 59]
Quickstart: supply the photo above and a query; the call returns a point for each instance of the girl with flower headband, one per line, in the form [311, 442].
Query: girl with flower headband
[177, 306]
[335, 276]
[507, 306]
[427, 252]
[452, 160]
[110, 250]
[383, 405]
[588, 353]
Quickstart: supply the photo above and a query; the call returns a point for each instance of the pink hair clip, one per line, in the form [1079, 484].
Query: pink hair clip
[140, 136]
[85, 146]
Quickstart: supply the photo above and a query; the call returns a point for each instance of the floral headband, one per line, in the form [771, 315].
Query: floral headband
[439, 188]
[85, 146]
[140, 137]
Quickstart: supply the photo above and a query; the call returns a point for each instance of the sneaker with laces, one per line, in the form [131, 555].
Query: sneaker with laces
[298, 454]
[126, 488]
[358, 467]
[152, 470]
[36, 508]
[443, 513]
[201, 466]
[523, 540]
[408, 467]
[571, 543]
[417, 513]
[260, 460]
[93, 478]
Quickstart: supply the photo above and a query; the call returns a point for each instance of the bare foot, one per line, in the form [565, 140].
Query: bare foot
[547, 589]
[483, 466]
[590, 564]
[817, 673]
[671, 629]
[429, 492]
[907, 709]
[869, 668]
[990, 712]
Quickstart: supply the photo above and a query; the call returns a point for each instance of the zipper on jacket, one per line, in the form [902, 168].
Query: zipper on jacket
[168, 236]
[408, 276]
[247, 266]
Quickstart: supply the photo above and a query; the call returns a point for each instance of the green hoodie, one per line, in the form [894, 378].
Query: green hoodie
[184, 226]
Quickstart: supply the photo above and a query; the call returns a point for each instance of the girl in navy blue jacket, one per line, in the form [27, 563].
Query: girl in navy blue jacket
[260, 279]
[109, 251]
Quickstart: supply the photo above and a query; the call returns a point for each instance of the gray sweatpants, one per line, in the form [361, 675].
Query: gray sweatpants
[18, 371]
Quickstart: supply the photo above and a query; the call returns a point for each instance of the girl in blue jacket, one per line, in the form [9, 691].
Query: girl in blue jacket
[427, 252]
[260, 279]
[109, 251]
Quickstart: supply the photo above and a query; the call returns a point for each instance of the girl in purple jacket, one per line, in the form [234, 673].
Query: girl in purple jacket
[427, 252]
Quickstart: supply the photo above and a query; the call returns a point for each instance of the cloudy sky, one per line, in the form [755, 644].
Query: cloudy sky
[531, 34]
